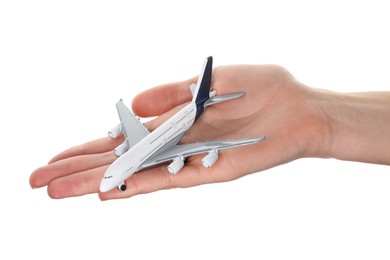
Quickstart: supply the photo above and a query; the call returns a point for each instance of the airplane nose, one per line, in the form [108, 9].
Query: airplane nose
[105, 185]
[121, 169]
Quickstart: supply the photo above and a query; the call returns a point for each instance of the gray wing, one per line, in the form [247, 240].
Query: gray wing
[133, 129]
[185, 150]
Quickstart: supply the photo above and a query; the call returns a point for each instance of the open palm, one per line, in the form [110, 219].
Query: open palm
[274, 105]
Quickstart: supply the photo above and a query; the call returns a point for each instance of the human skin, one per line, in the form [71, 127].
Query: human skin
[298, 121]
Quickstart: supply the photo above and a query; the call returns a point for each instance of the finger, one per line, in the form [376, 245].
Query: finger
[159, 179]
[158, 100]
[78, 184]
[97, 146]
[42, 176]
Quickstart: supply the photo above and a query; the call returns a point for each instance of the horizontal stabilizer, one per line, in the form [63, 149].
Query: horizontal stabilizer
[217, 99]
[192, 88]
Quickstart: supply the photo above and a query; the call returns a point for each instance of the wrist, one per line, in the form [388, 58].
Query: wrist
[323, 126]
[355, 126]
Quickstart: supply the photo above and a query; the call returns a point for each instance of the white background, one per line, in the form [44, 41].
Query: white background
[64, 64]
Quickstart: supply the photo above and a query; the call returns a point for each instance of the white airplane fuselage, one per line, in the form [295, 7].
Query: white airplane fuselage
[128, 163]
[142, 148]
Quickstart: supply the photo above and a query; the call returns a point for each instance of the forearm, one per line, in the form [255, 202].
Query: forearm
[359, 126]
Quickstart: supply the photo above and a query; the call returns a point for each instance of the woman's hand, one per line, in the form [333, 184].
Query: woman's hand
[297, 121]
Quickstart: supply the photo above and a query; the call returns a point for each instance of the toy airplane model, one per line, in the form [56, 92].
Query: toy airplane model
[142, 148]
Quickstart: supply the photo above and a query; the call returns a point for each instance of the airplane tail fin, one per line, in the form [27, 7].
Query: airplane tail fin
[201, 92]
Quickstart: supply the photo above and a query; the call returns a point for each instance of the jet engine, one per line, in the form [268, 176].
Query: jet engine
[113, 133]
[122, 148]
[176, 165]
[210, 159]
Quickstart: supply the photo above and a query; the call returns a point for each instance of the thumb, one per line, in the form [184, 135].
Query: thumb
[160, 99]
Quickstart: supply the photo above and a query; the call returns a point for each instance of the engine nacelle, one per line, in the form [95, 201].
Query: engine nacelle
[116, 131]
[122, 148]
[210, 159]
[176, 165]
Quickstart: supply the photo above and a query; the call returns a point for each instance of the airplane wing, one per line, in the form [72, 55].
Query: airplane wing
[185, 150]
[133, 129]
